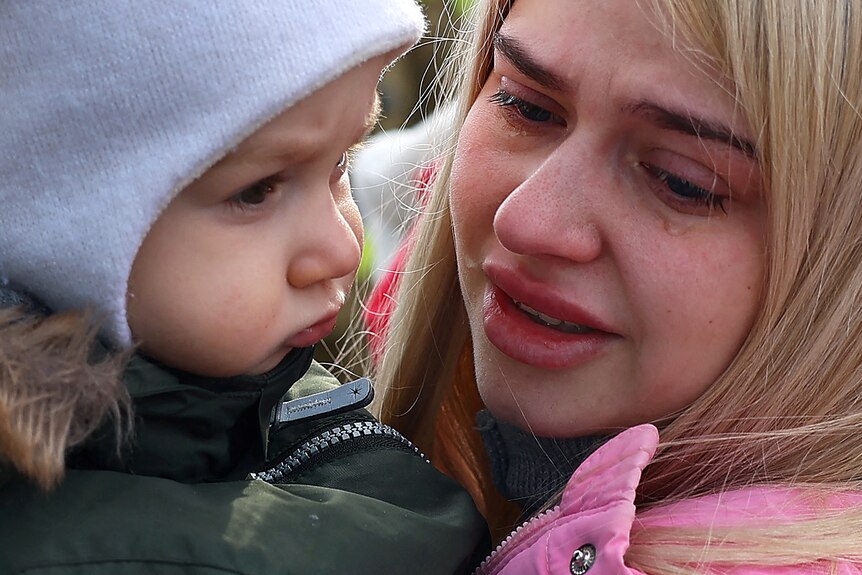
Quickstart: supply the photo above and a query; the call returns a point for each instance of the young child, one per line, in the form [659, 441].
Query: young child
[177, 173]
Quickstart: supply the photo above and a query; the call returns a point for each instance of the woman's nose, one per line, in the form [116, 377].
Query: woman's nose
[553, 212]
[330, 244]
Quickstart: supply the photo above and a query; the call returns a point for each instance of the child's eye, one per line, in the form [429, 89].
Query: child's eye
[522, 108]
[344, 162]
[343, 165]
[254, 195]
[681, 193]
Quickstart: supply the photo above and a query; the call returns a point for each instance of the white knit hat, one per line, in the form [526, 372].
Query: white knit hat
[111, 107]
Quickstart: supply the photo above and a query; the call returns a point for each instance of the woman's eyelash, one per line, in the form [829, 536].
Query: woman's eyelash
[525, 109]
[685, 190]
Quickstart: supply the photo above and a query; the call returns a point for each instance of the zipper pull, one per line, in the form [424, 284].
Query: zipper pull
[347, 397]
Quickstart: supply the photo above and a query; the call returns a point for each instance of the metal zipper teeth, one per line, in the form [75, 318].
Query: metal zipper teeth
[328, 439]
[524, 534]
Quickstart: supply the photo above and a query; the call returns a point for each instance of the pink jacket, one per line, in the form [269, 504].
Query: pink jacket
[588, 533]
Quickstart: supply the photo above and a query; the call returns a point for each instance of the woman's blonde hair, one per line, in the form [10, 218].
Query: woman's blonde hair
[788, 409]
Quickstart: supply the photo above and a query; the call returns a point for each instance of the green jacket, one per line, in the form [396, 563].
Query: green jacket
[212, 483]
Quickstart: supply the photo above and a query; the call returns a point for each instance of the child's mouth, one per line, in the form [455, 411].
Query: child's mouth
[314, 333]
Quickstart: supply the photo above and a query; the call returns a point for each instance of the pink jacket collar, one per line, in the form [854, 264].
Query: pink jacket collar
[588, 533]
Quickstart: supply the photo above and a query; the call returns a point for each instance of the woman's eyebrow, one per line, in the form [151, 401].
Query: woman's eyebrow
[691, 125]
[517, 55]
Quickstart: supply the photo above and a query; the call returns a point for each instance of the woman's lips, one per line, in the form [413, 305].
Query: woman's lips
[527, 339]
[313, 334]
[541, 296]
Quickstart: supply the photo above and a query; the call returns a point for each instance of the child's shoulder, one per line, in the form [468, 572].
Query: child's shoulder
[103, 521]
[338, 490]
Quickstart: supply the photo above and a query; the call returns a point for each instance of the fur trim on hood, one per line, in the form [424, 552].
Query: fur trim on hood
[52, 395]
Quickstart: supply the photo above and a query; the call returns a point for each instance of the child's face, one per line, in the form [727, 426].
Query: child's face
[257, 256]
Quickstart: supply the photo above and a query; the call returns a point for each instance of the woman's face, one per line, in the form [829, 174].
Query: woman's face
[608, 218]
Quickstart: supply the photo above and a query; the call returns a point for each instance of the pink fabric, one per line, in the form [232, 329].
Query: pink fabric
[381, 302]
[597, 509]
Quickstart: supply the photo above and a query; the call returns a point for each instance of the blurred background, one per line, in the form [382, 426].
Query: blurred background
[383, 173]
[404, 85]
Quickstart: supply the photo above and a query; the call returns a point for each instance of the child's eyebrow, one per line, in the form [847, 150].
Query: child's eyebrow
[293, 147]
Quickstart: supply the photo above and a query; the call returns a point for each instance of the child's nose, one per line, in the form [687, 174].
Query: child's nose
[331, 245]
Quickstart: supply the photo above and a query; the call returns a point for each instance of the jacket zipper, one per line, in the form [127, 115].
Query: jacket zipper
[329, 439]
[524, 535]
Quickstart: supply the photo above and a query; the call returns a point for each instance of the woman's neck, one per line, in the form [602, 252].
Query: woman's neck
[530, 470]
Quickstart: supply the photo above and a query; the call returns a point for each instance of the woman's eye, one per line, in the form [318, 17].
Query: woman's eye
[254, 195]
[684, 193]
[528, 111]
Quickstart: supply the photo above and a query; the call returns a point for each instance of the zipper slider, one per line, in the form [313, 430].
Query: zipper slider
[347, 397]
